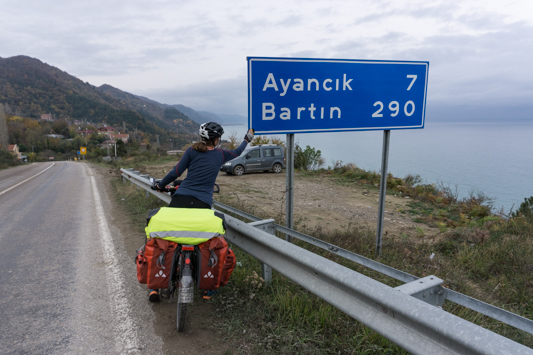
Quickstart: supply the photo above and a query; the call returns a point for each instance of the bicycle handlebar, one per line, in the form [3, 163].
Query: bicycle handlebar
[174, 186]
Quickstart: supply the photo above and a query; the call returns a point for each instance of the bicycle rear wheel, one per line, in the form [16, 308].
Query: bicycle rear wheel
[180, 320]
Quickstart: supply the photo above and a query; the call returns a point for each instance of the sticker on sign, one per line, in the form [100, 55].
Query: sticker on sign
[294, 95]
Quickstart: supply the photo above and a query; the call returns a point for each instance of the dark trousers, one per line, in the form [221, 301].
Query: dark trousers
[182, 201]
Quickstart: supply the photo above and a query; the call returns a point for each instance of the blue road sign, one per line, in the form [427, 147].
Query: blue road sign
[290, 95]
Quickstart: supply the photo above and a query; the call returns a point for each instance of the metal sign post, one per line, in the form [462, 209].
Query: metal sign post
[289, 205]
[382, 190]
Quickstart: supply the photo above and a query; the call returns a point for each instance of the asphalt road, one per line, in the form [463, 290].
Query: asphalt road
[63, 288]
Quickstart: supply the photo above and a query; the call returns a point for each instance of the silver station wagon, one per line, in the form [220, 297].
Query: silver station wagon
[263, 157]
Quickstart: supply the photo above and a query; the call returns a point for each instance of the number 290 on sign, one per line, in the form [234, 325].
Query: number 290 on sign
[394, 107]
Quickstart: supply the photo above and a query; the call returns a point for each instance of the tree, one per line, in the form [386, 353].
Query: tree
[61, 127]
[308, 159]
[7, 159]
[525, 210]
[233, 140]
[278, 141]
[259, 140]
[268, 140]
[121, 148]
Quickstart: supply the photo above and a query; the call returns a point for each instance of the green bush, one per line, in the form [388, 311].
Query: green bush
[308, 159]
[7, 159]
[525, 210]
[121, 149]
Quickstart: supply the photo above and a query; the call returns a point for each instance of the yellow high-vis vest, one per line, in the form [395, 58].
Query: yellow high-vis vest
[191, 226]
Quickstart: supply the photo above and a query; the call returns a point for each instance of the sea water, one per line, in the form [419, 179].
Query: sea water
[494, 158]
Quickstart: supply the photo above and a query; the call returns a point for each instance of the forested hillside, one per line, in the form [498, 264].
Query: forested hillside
[167, 115]
[30, 88]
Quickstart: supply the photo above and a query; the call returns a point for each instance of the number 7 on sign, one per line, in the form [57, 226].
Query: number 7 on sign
[412, 81]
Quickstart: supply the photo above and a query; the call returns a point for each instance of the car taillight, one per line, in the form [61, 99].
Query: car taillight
[187, 248]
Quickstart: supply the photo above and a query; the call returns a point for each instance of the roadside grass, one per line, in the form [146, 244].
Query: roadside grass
[486, 258]
[138, 162]
[492, 263]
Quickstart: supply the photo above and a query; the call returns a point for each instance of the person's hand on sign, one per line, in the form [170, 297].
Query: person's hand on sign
[249, 135]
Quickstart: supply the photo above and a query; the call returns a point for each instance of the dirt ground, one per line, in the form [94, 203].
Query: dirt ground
[318, 200]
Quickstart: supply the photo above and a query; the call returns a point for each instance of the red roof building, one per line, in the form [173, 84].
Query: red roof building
[14, 149]
[105, 130]
[86, 132]
[122, 137]
[47, 117]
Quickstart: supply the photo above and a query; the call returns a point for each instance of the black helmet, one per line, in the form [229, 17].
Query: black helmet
[211, 130]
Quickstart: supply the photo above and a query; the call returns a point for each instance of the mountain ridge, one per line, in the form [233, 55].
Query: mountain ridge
[31, 87]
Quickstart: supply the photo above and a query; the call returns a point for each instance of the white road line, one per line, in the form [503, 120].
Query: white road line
[125, 330]
[22, 182]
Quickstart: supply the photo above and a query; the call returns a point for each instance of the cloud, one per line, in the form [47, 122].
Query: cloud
[482, 69]
[478, 51]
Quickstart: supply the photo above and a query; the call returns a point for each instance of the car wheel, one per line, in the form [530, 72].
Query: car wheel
[277, 168]
[238, 170]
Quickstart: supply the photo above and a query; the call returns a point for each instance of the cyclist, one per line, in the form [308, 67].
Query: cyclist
[203, 162]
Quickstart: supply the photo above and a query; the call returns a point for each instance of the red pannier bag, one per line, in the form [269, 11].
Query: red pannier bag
[154, 263]
[229, 265]
[142, 266]
[211, 259]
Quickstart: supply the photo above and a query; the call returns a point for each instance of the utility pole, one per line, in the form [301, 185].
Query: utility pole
[157, 140]
[4, 136]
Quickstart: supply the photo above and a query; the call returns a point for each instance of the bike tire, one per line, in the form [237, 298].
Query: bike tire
[180, 320]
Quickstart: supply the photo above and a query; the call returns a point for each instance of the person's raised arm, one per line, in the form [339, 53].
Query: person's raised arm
[175, 173]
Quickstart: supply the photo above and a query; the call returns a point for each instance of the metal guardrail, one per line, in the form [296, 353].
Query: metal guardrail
[401, 314]
[494, 312]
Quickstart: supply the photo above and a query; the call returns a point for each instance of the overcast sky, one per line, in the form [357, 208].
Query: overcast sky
[194, 52]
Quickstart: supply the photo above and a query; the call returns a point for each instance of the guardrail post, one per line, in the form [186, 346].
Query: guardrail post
[268, 226]
[123, 177]
[135, 172]
[147, 177]
[427, 289]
